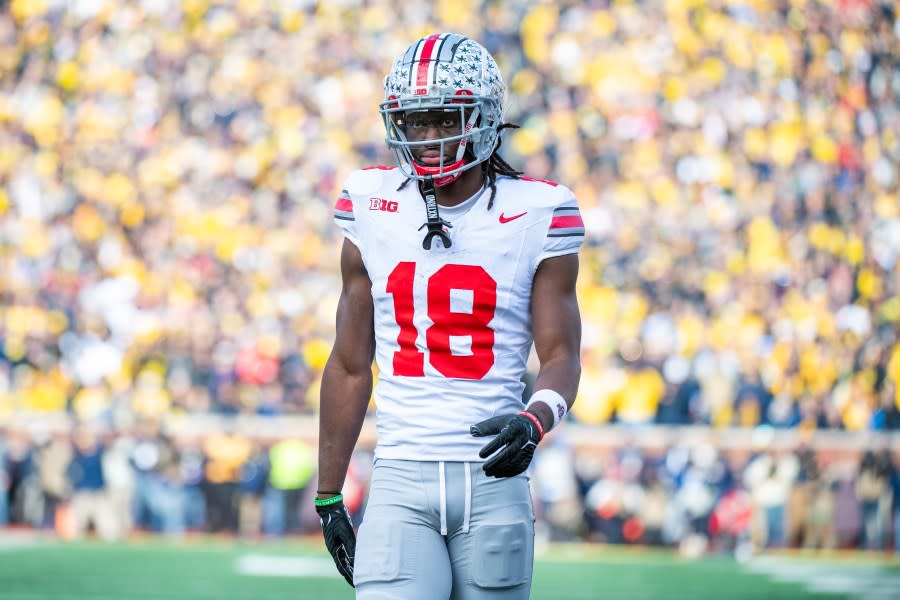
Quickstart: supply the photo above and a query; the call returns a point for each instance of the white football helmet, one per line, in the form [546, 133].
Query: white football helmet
[444, 71]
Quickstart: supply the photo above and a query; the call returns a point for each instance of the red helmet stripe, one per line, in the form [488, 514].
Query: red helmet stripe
[425, 60]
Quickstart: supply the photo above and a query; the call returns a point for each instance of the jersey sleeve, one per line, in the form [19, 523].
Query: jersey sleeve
[344, 216]
[565, 231]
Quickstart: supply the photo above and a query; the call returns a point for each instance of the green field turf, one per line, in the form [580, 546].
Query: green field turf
[225, 570]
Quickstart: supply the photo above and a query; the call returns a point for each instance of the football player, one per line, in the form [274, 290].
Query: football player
[453, 264]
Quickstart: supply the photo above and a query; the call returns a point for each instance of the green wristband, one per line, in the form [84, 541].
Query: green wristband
[329, 501]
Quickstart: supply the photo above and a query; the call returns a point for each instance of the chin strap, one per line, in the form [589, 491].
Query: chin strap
[435, 223]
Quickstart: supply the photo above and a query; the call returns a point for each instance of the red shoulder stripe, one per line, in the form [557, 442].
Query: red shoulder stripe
[566, 222]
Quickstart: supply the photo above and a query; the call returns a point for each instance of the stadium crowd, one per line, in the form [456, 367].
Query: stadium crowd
[693, 495]
[168, 171]
[167, 174]
[701, 497]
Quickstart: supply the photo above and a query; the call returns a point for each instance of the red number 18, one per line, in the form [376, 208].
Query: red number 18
[408, 360]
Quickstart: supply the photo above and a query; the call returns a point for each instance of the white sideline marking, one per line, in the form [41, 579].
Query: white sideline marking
[860, 583]
[261, 565]
[10, 541]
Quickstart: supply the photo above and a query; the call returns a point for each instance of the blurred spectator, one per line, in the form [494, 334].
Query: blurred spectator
[887, 416]
[557, 502]
[144, 459]
[697, 492]
[90, 503]
[800, 496]
[52, 464]
[225, 454]
[811, 505]
[731, 519]
[603, 504]
[158, 494]
[120, 481]
[652, 514]
[769, 481]
[191, 466]
[254, 473]
[5, 481]
[170, 489]
[895, 498]
[25, 501]
[873, 492]
[292, 465]
[820, 531]
[848, 519]
[675, 406]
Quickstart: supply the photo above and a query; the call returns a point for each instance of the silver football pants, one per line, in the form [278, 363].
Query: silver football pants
[444, 530]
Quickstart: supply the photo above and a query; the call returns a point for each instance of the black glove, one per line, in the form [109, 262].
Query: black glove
[340, 539]
[517, 438]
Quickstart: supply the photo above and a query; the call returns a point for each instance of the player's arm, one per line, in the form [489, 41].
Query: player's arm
[347, 377]
[556, 326]
[346, 388]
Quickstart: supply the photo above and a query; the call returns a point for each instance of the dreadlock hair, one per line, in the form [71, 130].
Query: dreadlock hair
[495, 165]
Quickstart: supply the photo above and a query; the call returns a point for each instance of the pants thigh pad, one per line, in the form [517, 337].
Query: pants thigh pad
[501, 555]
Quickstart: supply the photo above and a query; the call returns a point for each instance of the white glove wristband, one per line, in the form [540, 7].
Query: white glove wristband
[554, 401]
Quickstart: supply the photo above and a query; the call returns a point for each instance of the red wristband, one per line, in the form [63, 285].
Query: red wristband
[536, 421]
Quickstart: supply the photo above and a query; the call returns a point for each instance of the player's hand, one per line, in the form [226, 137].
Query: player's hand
[340, 538]
[517, 437]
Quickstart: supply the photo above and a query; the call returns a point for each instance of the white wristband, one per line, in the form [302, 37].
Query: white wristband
[554, 401]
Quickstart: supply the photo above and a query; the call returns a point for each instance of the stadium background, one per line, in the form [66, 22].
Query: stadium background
[169, 268]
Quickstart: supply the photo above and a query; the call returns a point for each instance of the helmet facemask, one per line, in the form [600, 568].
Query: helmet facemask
[474, 142]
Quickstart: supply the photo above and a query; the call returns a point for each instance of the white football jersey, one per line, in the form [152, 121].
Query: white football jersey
[452, 325]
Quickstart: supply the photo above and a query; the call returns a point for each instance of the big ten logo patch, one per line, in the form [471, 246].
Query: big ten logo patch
[383, 205]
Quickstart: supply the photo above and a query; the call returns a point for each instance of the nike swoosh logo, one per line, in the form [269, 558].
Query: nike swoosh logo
[512, 218]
